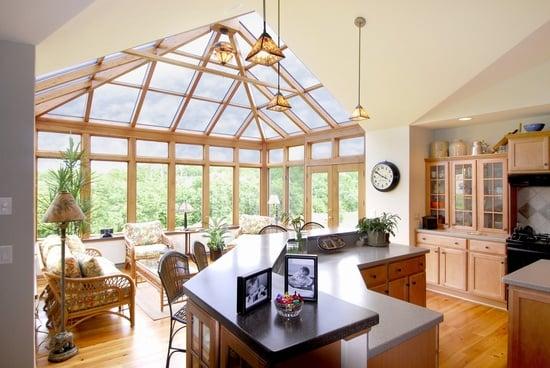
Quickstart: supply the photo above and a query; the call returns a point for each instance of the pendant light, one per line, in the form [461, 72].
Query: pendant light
[223, 50]
[359, 113]
[278, 102]
[265, 51]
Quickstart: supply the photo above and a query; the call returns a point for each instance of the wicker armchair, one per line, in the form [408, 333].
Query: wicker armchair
[144, 240]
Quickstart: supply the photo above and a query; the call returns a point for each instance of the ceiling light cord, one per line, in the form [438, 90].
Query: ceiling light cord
[278, 44]
[359, 63]
[264, 17]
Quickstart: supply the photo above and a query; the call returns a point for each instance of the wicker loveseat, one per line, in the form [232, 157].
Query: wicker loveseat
[107, 291]
[145, 240]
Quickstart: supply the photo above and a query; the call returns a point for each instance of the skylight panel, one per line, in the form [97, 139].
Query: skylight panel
[298, 70]
[306, 113]
[268, 131]
[259, 98]
[159, 109]
[135, 76]
[268, 75]
[197, 115]
[330, 104]
[197, 46]
[65, 70]
[114, 103]
[222, 68]
[213, 86]
[240, 97]
[255, 24]
[231, 120]
[252, 131]
[282, 121]
[171, 77]
[74, 108]
[182, 58]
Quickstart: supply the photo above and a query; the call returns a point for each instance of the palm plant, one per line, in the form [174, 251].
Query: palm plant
[216, 234]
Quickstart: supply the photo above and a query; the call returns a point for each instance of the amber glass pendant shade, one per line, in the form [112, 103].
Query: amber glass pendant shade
[359, 113]
[278, 103]
[265, 51]
[224, 52]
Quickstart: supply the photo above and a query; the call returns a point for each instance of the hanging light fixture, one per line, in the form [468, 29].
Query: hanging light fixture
[265, 51]
[223, 50]
[278, 102]
[359, 113]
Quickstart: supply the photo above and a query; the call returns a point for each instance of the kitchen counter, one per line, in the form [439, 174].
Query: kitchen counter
[341, 289]
[465, 234]
[535, 276]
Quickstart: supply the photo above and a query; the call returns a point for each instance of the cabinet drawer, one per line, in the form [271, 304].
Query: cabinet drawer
[444, 241]
[406, 267]
[487, 247]
[375, 275]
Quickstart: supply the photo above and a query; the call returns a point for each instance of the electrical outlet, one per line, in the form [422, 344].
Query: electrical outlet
[5, 205]
[6, 254]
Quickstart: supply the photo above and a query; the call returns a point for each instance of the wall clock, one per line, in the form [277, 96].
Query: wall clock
[384, 176]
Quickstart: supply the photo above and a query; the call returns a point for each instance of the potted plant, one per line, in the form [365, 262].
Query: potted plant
[216, 235]
[297, 223]
[378, 229]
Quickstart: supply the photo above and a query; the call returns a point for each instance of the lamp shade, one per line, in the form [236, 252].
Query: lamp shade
[265, 51]
[278, 103]
[274, 199]
[185, 208]
[359, 113]
[224, 52]
[63, 209]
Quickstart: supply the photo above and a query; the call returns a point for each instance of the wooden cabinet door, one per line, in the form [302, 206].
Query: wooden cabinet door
[417, 289]
[432, 264]
[453, 268]
[485, 275]
[202, 338]
[463, 194]
[492, 195]
[528, 154]
[399, 288]
[382, 289]
[235, 353]
[437, 188]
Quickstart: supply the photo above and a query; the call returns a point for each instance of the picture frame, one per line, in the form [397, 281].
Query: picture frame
[302, 276]
[253, 290]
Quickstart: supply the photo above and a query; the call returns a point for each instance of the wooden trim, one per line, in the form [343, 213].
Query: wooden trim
[142, 93]
[467, 157]
[132, 182]
[171, 200]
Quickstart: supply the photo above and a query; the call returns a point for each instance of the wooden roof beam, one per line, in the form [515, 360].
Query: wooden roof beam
[228, 96]
[142, 93]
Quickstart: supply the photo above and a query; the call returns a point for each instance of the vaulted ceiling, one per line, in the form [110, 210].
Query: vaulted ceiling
[417, 54]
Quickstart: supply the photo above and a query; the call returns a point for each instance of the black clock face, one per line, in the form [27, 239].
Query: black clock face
[384, 176]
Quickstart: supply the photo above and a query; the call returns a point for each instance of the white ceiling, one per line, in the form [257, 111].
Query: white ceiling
[417, 54]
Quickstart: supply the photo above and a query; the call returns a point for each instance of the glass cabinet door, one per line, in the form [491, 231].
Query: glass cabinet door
[201, 338]
[437, 192]
[463, 199]
[492, 188]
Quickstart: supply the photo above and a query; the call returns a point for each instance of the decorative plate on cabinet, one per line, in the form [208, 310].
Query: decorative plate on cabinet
[330, 243]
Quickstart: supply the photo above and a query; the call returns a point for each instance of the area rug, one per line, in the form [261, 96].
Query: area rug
[148, 299]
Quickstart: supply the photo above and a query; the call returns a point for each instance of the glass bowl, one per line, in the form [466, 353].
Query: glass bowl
[289, 310]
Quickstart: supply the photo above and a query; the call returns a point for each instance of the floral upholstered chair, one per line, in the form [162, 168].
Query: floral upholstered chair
[145, 240]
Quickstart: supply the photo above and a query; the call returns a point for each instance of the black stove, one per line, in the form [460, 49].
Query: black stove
[525, 246]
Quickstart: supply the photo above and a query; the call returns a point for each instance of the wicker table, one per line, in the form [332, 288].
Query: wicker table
[148, 269]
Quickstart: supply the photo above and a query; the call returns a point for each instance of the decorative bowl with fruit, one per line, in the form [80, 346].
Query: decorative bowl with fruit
[289, 306]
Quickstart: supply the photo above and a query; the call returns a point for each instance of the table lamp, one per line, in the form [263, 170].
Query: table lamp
[275, 202]
[185, 208]
[63, 210]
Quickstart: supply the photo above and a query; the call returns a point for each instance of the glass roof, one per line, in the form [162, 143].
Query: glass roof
[158, 90]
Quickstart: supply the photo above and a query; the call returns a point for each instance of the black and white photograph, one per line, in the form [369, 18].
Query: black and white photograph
[253, 290]
[301, 276]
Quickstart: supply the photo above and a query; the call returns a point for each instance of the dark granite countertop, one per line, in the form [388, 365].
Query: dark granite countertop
[342, 293]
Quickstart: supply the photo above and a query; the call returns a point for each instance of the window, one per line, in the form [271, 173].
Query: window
[151, 149]
[249, 191]
[171, 77]
[330, 104]
[231, 120]
[43, 195]
[276, 156]
[159, 109]
[298, 70]
[321, 150]
[189, 151]
[348, 198]
[352, 146]
[55, 141]
[197, 115]
[152, 192]
[109, 146]
[276, 187]
[221, 154]
[249, 156]
[114, 103]
[221, 193]
[189, 189]
[136, 76]
[109, 199]
[282, 121]
[306, 113]
[74, 108]
[296, 190]
[296, 153]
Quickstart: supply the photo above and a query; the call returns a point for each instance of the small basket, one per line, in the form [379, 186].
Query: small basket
[289, 311]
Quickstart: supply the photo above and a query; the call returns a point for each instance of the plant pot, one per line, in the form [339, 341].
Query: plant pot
[215, 254]
[362, 240]
[378, 239]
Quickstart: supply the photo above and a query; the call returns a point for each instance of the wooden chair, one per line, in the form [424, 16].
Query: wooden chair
[311, 225]
[199, 252]
[271, 229]
[174, 272]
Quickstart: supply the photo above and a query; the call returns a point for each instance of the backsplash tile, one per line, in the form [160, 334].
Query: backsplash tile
[534, 208]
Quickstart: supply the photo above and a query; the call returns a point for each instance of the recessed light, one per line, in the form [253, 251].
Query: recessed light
[465, 119]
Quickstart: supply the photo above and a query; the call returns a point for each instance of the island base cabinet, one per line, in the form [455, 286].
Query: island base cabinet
[417, 289]
[528, 328]
[202, 338]
[399, 288]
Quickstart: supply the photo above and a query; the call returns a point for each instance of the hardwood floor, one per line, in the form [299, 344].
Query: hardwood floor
[471, 335]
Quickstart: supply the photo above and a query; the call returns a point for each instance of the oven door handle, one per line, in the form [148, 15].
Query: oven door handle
[525, 250]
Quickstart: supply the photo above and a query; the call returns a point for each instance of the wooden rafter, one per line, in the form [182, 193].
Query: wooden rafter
[194, 82]
[290, 95]
[221, 109]
[243, 127]
[143, 92]
[195, 57]
[52, 104]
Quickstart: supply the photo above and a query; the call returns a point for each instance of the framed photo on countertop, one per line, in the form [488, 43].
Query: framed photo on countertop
[301, 275]
[253, 290]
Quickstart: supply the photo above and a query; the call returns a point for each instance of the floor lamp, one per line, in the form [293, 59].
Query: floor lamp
[63, 210]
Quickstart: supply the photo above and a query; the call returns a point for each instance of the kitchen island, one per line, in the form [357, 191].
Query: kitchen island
[348, 325]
